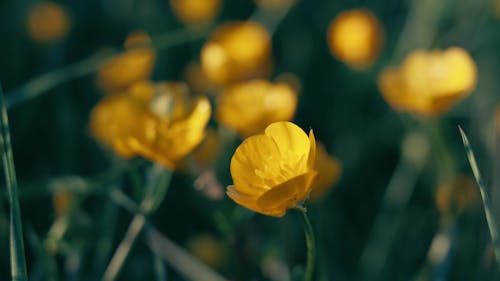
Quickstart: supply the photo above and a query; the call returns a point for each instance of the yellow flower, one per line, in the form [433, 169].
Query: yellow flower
[274, 4]
[48, 22]
[133, 65]
[206, 153]
[192, 12]
[429, 83]
[250, 106]
[61, 201]
[455, 196]
[208, 249]
[197, 80]
[273, 172]
[156, 121]
[237, 51]
[329, 170]
[355, 37]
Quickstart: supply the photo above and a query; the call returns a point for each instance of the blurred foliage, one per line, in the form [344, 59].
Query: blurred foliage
[385, 219]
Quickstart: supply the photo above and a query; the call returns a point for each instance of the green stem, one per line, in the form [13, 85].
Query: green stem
[18, 260]
[43, 83]
[124, 248]
[155, 192]
[490, 217]
[311, 249]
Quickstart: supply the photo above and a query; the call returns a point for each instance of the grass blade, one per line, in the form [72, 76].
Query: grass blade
[484, 195]
[17, 258]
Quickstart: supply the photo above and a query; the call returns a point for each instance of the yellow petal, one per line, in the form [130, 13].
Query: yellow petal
[256, 153]
[287, 194]
[290, 139]
[312, 151]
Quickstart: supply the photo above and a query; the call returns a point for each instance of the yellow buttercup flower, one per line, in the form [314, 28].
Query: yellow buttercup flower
[48, 22]
[156, 121]
[237, 51]
[249, 107]
[133, 65]
[274, 4]
[197, 80]
[355, 37]
[455, 196]
[208, 249]
[274, 171]
[329, 170]
[429, 83]
[192, 12]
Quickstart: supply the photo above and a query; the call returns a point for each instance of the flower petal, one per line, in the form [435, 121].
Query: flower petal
[288, 194]
[289, 138]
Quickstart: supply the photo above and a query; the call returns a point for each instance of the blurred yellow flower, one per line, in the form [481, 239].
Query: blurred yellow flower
[48, 22]
[197, 80]
[237, 51]
[274, 4]
[455, 196]
[429, 83]
[355, 37]
[208, 249]
[61, 201]
[274, 171]
[206, 153]
[192, 12]
[329, 170]
[156, 121]
[249, 107]
[133, 65]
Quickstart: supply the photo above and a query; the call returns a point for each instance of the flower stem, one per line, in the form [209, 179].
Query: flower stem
[43, 83]
[123, 250]
[17, 257]
[311, 249]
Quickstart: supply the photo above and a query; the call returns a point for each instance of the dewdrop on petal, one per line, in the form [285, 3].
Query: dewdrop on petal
[355, 37]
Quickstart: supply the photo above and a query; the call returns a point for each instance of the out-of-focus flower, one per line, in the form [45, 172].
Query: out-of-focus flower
[156, 121]
[206, 153]
[48, 22]
[193, 12]
[249, 107]
[208, 249]
[429, 83]
[61, 201]
[275, 4]
[237, 51]
[197, 80]
[355, 37]
[274, 171]
[133, 65]
[329, 170]
[455, 196]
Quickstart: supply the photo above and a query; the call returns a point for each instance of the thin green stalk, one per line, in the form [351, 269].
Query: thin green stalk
[155, 192]
[43, 83]
[17, 258]
[124, 248]
[311, 249]
[490, 218]
[190, 267]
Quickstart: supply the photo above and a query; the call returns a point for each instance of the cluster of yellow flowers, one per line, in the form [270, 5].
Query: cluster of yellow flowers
[426, 83]
[277, 166]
